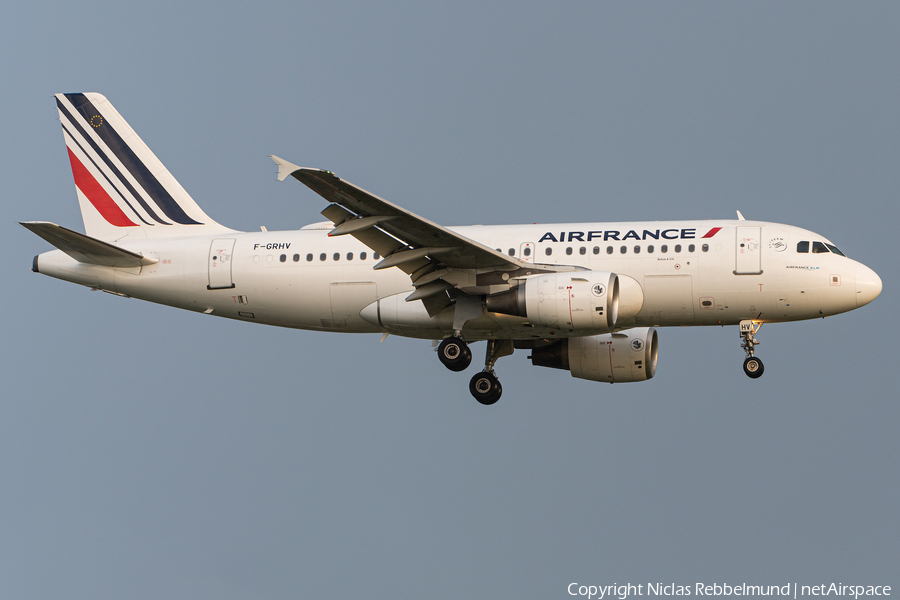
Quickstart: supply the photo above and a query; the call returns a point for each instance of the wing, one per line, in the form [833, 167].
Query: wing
[363, 210]
[436, 258]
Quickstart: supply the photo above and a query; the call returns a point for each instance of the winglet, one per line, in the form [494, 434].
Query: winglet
[284, 167]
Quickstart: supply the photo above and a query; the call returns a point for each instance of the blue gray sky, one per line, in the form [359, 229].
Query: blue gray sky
[149, 453]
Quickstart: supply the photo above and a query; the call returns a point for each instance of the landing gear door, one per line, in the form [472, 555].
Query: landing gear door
[526, 252]
[220, 252]
[747, 251]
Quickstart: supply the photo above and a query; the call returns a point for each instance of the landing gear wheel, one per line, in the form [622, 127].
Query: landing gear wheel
[485, 387]
[455, 354]
[753, 367]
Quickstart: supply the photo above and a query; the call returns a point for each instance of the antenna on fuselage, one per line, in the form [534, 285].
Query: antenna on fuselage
[740, 216]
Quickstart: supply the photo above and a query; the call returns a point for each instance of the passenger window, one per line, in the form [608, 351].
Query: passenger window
[569, 251]
[349, 256]
[691, 248]
[548, 251]
[527, 251]
[637, 249]
[803, 247]
[337, 256]
[582, 250]
[283, 257]
[512, 251]
[663, 248]
[609, 249]
[650, 249]
[596, 249]
[296, 258]
[705, 247]
[623, 249]
[819, 248]
[677, 247]
[323, 256]
[309, 258]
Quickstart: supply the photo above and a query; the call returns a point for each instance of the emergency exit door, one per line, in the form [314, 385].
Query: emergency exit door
[526, 252]
[747, 251]
[220, 252]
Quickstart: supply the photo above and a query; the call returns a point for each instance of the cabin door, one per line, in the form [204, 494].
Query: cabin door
[220, 252]
[747, 251]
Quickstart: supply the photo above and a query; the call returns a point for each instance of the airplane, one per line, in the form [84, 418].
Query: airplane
[583, 297]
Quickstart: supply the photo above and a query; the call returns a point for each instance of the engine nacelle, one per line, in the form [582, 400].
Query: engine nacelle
[611, 357]
[575, 301]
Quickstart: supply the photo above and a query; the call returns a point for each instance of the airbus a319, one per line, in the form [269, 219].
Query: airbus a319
[583, 297]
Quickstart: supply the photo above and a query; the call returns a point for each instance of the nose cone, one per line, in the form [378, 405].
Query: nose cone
[868, 285]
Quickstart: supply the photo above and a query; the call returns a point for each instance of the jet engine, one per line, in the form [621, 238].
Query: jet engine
[610, 357]
[575, 301]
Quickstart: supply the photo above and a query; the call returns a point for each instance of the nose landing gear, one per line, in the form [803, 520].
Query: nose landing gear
[753, 366]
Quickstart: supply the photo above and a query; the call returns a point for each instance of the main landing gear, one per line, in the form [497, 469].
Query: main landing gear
[455, 354]
[485, 386]
[753, 367]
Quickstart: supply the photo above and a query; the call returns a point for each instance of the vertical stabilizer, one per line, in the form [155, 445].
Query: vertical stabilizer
[123, 189]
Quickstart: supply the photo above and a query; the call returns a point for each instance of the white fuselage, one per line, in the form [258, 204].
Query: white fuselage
[307, 280]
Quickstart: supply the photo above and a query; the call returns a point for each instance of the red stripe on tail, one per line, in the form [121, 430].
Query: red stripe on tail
[105, 205]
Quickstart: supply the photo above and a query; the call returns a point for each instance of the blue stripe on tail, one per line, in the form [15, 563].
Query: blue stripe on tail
[132, 163]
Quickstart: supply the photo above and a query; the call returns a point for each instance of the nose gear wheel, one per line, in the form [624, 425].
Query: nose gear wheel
[753, 367]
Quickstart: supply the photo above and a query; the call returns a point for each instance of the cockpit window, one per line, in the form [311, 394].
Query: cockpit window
[834, 249]
[819, 248]
[802, 246]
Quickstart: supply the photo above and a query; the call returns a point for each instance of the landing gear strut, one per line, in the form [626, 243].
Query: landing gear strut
[485, 386]
[753, 367]
[455, 354]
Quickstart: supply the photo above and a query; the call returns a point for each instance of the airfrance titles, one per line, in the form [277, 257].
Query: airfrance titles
[632, 234]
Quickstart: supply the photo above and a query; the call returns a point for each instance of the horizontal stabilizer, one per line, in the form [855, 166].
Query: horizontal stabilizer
[86, 249]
